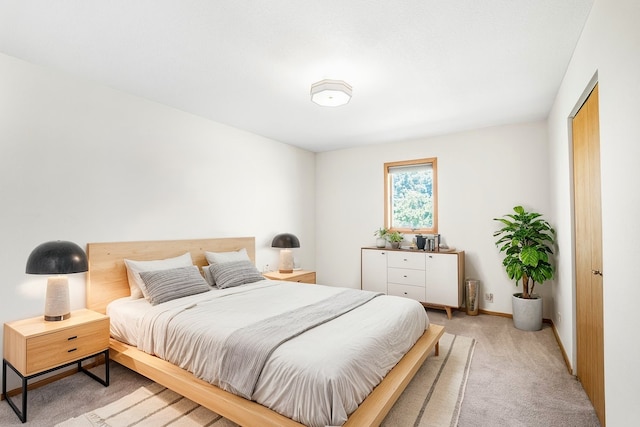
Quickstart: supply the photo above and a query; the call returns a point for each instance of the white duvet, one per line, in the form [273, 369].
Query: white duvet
[317, 378]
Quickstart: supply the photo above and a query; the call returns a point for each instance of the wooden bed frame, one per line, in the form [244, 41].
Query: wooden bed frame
[107, 280]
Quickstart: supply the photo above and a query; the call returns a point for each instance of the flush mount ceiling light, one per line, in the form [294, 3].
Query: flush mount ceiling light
[330, 93]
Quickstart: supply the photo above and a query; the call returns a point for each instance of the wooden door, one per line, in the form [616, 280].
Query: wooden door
[588, 250]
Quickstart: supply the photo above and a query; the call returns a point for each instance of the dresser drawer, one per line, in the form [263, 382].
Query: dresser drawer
[414, 292]
[406, 276]
[398, 259]
[56, 348]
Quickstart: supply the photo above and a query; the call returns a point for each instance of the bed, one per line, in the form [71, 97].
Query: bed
[107, 282]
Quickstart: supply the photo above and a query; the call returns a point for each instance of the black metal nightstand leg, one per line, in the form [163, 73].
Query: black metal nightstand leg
[22, 415]
[24, 401]
[104, 382]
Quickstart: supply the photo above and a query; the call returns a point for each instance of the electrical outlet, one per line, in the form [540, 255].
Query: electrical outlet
[488, 297]
[559, 317]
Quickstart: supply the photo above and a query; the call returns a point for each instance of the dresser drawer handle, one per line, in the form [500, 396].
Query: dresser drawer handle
[72, 350]
[404, 275]
[405, 293]
[72, 338]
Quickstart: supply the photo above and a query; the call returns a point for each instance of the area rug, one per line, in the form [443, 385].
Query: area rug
[432, 398]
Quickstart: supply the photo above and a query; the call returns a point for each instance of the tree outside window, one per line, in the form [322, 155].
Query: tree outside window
[411, 196]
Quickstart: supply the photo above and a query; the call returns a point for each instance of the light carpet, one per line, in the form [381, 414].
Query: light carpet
[432, 398]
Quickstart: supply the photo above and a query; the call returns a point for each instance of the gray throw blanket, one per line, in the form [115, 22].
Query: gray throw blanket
[248, 348]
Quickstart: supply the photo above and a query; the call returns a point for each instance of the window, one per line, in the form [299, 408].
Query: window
[410, 196]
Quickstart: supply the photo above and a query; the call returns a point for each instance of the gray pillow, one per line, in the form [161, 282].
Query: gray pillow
[136, 284]
[167, 285]
[220, 258]
[207, 275]
[234, 273]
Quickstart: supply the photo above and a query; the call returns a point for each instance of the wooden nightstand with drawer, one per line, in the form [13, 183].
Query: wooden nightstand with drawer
[33, 347]
[301, 276]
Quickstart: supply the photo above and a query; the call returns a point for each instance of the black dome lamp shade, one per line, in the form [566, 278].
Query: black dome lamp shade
[285, 242]
[57, 258]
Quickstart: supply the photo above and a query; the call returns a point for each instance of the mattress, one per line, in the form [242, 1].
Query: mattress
[317, 378]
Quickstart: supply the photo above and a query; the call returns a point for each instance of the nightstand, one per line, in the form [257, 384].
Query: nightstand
[33, 347]
[301, 276]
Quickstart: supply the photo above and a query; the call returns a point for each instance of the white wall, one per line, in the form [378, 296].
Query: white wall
[610, 46]
[85, 163]
[482, 174]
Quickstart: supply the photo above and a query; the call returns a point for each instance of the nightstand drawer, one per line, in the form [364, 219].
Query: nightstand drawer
[305, 278]
[414, 292]
[56, 348]
[406, 276]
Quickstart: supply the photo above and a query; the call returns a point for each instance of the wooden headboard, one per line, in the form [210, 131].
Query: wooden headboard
[107, 277]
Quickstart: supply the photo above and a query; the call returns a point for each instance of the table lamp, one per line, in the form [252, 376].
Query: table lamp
[285, 241]
[57, 258]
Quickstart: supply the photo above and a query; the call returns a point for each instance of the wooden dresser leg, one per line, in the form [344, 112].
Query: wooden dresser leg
[448, 309]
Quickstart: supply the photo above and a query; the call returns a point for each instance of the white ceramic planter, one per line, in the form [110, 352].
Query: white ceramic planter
[381, 242]
[527, 313]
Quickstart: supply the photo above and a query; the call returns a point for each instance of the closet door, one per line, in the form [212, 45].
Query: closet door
[588, 252]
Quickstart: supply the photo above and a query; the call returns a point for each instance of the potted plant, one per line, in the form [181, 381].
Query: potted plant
[381, 241]
[526, 241]
[395, 238]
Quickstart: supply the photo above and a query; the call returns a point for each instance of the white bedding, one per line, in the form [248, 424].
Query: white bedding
[317, 378]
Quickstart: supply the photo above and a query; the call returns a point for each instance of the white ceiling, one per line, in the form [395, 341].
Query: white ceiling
[418, 67]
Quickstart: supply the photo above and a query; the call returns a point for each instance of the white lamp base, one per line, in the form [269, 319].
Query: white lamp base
[286, 261]
[56, 306]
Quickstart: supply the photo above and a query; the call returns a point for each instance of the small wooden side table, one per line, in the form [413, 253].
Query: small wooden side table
[301, 276]
[33, 347]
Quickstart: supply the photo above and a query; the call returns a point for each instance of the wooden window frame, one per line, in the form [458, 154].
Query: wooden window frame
[387, 194]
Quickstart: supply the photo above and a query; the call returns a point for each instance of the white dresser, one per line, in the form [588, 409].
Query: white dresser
[433, 278]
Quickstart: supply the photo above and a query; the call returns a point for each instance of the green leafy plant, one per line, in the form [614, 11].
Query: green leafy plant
[381, 232]
[394, 236]
[527, 241]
